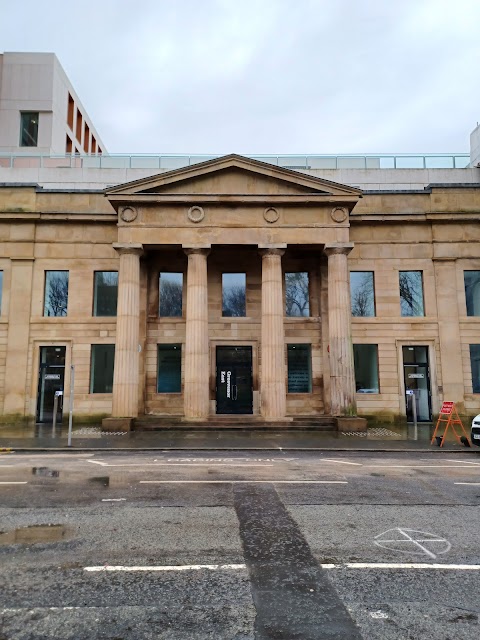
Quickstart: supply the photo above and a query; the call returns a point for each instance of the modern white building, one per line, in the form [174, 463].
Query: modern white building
[40, 113]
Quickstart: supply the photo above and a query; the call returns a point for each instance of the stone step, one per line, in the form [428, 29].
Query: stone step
[152, 423]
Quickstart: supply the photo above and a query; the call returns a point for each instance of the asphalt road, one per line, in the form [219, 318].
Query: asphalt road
[249, 546]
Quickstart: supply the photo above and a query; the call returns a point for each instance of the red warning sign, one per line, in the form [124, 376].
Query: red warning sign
[447, 408]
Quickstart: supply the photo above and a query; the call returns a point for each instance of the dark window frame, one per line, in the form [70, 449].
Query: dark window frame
[362, 300]
[93, 365]
[55, 298]
[301, 347]
[308, 297]
[404, 300]
[224, 308]
[475, 385]
[355, 367]
[33, 134]
[95, 313]
[174, 346]
[170, 315]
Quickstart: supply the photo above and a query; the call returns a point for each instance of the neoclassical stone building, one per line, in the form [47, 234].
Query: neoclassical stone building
[235, 287]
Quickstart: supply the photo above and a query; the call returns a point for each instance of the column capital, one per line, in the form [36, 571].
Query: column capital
[199, 251]
[338, 248]
[125, 248]
[271, 249]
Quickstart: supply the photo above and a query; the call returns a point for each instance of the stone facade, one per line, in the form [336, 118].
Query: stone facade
[236, 215]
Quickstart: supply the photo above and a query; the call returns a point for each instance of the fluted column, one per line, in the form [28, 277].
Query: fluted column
[342, 373]
[197, 370]
[272, 385]
[126, 371]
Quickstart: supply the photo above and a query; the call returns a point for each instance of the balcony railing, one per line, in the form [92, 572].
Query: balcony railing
[305, 162]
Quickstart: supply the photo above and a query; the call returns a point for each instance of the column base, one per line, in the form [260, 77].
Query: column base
[353, 423]
[117, 424]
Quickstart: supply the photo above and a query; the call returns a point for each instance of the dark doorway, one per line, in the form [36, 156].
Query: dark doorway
[51, 376]
[234, 380]
[417, 379]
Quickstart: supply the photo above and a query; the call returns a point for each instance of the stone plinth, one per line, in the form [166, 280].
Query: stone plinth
[342, 373]
[126, 370]
[272, 382]
[196, 381]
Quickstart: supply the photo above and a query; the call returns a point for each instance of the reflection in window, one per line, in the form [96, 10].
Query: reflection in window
[101, 368]
[297, 299]
[28, 129]
[411, 293]
[299, 364]
[362, 293]
[105, 293]
[366, 367]
[1, 290]
[169, 379]
[56, 293]
[475, 364]
[472, 292]
[170, 293]
[233, 294]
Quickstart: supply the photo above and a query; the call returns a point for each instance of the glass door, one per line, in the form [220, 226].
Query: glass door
[417, 380]
[234, 380]
[51, 378]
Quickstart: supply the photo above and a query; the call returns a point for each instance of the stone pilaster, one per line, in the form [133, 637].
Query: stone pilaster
[197, 370]
[449, 331]
[342, 373]
[272, 382]
[18, 336]
[126, 371]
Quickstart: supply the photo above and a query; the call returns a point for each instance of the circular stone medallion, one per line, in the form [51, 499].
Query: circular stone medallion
[271, 214]
[339, 214]
[195, 214]
[128, 214]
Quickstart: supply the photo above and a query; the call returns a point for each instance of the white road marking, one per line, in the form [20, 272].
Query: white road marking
[477, 464]
[113, 499]
[236, 567]
[416, 466]
[401, 536]
[243, 482]
[25, 482]
[378, 615]
[185, 567]
[358, 464]
[471, 484]
[180, 464]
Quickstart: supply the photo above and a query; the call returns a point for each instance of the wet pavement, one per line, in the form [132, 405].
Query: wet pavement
[386, 437]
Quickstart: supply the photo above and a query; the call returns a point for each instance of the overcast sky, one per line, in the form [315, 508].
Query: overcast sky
[264, 76]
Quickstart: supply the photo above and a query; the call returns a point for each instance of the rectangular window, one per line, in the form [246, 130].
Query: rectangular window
[105, 293]
[70, 111]
[56, 293]
[411, 293]
[1, 290]
[29, 129]
[169, 379]
[475, 364]
[170, 294]
[366, 368]
[472, 292]
[297, 297]
[101, 368]
[362, 293]
[299, 361]
[233, 294]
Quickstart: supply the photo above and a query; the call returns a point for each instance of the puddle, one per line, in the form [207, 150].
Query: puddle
[103, 480]
[45, 472]
[37, 533]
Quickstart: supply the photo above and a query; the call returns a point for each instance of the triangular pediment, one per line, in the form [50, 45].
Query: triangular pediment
[229, 176]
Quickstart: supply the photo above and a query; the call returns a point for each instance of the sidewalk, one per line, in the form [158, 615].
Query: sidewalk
[381, 438]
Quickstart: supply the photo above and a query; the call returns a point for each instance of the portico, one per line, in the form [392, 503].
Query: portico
[276, 229]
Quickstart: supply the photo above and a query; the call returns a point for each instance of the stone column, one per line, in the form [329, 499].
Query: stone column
[197, 369]
[272, 384]
[449, 332]
[342, 373]
[126, 372]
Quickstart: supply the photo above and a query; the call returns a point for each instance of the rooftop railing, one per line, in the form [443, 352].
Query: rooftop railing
[305, 162]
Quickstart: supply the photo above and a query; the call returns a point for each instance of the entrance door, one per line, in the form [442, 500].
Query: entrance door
[51, 377]
[417, 379]
[234, 380]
